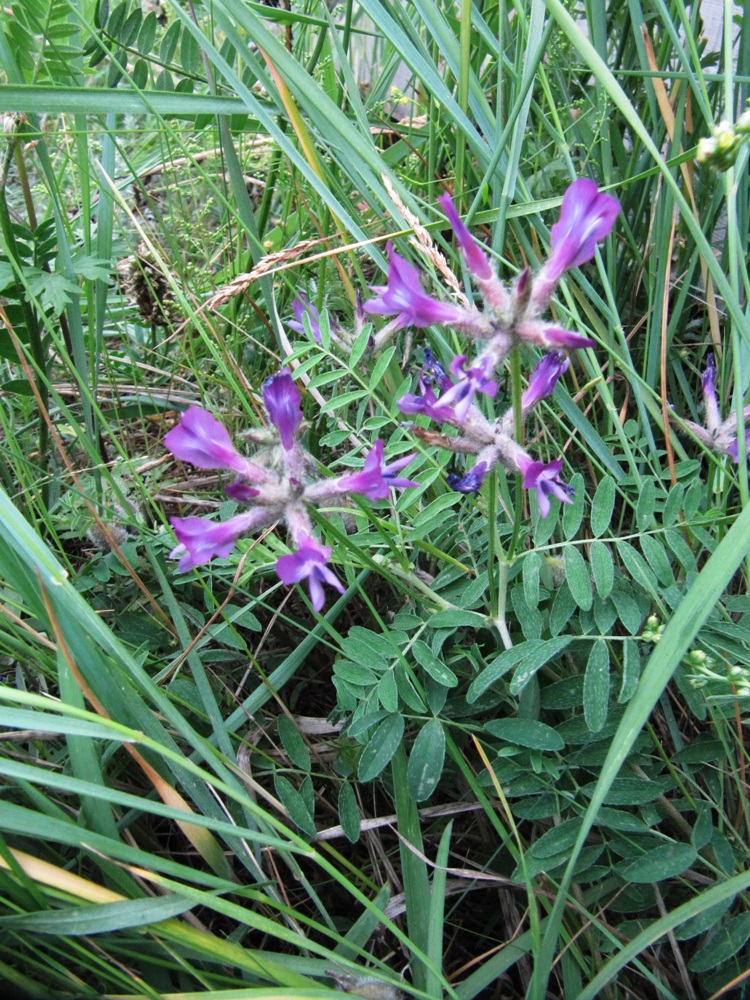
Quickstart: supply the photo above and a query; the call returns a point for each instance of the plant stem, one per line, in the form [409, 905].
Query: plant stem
[34, 334]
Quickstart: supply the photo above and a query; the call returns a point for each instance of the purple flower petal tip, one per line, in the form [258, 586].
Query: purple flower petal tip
[587, 215]
[470, 481]
[555, 336]
[543, 379]
[309, 562]
[200, 539]
[476, 259]
[708, 378]
[241, 492]
[471, 380]
[203, 441]
[375, 480]
[404, 298]
[545, 479]
[282, 400]
[303, 307]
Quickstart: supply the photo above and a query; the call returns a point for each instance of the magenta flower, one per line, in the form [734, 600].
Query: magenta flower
[375, 479]
[470, 481]
[429, 405]
[476, 259]
[200, 539]
[204, 442]
[309, 561]
[543, 379]
[545, 479]
[404, 298]
[586, 216]
[282, 400]
[303, 307]
[476, 378]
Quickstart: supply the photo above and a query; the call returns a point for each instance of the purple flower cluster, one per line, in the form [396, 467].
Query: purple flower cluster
[717, 434]
[279, 491]
[511, 317]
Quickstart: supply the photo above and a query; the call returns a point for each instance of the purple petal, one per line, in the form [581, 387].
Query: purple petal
[476, 259]
[433, 372]
[389, 472]
[303, 307]
[545, 479]
[555, 336]
[204, 442]
[470, 481]
[200, 539]
[733, 447]
[476, 378]
[308, 562]
[543, 379]
[404, 298]
[241, 492]
[369, 481]
[708, 384]
[586, 216]
[282, 400]
[429, 405]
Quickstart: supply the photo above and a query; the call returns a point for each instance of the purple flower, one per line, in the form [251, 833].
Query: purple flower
[303, 307]
[472, 380]
[204, 442]
[282, 400]
[433, 372]
[586, 216]
[200, 539]
[536, 332]
[545, 479]
[470, 481]
[733, 447]
[241, 492]
[404, 298]
[429, 405]
[390, 477]
[543, 379]
[308, 561]
[374, 480]
[476, 259]
[708, 381]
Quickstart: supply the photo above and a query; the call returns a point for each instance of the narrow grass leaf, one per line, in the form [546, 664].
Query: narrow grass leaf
[100, 918]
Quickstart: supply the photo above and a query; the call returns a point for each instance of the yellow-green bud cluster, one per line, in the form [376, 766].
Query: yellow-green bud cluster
[653, 630]
[704, 671]
[720, 150]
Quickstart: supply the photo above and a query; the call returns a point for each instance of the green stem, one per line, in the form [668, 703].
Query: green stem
[35, 337]
[464, 71]
[516, 393]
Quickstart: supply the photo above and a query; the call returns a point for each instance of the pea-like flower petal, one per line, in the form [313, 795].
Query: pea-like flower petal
[404, 298]
[476, 259]
[282, 400]
[204, 442]
[543, 379]
[200, 539]
[545, 479]
[309, 562]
